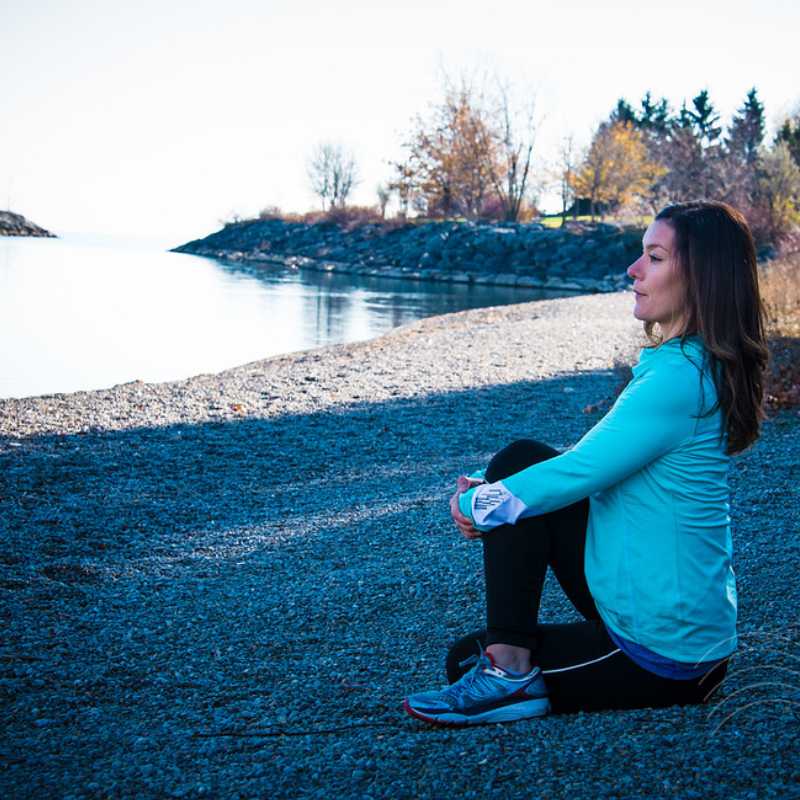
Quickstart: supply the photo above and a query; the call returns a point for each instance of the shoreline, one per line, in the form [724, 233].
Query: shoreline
[215, 396]
[571, 283]
[225, 586]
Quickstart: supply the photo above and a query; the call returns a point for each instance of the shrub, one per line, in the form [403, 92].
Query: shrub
[780, 289]
[350, 218]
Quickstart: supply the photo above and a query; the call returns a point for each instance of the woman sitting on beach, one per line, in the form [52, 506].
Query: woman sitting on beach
[633, 521]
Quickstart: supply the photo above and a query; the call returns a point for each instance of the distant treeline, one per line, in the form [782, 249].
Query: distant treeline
[472, 157]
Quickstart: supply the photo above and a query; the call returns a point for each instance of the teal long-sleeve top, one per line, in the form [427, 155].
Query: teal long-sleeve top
[658, 556]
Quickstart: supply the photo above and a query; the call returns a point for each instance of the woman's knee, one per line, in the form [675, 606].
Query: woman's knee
[517, 456]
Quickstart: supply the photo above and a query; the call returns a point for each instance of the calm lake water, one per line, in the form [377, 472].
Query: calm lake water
[81, 313]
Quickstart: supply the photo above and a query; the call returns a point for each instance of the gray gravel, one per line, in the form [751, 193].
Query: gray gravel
[224, 587]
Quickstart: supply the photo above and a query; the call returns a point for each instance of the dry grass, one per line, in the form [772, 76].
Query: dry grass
[780, 289]
[348, 218]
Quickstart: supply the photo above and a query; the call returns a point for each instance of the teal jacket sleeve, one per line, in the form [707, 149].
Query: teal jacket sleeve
[657, 411]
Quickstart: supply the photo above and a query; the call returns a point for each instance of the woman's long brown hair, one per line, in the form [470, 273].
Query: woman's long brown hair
[717, 257]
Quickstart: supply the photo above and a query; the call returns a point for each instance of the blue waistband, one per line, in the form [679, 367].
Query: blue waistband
[659, 665]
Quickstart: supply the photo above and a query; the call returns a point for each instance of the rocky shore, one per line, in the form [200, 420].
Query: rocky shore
[223, 587]
[12, 224]
[582, 257]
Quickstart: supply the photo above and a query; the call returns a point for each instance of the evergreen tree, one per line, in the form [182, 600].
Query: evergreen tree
[683, 156]
[685, 119]
[692, 152]
[789, 134]
[655, 118]
[737, 163]
[624, 113]
[746, 132]
[656, 123]
[705, 120]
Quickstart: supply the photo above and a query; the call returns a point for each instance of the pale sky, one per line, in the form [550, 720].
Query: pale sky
[163, 118]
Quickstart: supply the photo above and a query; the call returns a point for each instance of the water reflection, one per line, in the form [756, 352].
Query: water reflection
[87, 314]
[384, 303]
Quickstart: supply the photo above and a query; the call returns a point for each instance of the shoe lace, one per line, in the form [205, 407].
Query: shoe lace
[476, 678]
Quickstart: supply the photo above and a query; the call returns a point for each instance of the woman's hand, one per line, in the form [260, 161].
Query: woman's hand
[464, 524]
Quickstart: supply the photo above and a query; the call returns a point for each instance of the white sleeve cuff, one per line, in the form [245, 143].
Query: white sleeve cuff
[494, 505]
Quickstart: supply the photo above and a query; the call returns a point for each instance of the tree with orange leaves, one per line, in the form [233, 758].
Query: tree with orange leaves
[472, 153]
[447, 159]
[617, 168]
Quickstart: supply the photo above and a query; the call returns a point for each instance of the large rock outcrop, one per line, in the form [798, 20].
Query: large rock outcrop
[584, 257]
[12, 224]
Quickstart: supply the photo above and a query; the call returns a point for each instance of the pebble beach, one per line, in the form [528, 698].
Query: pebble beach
[224, 587]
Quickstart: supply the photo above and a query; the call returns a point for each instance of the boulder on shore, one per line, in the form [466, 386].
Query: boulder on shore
[12, 224]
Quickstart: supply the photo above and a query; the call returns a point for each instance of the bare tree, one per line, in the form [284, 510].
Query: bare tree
[405, 184]
[333, 172]
[384, 193]
[566, 180]
[319, 172]
[509, 161]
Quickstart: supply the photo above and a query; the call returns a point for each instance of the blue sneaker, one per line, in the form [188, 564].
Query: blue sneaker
[487, 693]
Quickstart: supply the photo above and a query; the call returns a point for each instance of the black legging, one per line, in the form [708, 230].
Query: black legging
[584, 669]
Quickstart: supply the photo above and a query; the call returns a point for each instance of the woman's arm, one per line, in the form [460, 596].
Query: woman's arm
[657, 411]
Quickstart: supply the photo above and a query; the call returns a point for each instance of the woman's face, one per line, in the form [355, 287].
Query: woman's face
[657, 281]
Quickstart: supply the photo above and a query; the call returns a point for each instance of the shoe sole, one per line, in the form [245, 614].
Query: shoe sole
[529, 709]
